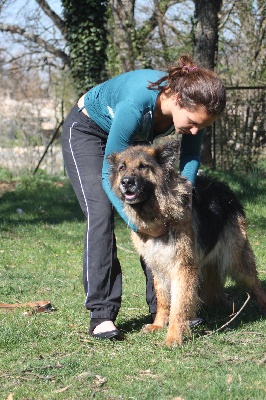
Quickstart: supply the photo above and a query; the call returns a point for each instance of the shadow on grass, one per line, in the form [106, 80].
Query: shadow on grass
[214, 318]
[52, 200]
[134, 324]
[248, 187]
[36, 200]
[231, 317]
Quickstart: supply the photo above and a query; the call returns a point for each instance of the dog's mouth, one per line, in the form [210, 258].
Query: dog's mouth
[132, 193]
[131, 197]
[133, 190]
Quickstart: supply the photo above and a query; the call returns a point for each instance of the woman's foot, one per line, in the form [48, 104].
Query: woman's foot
[106, 330]
[106, 326]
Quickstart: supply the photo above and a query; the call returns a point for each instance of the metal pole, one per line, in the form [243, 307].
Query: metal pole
[49, 144]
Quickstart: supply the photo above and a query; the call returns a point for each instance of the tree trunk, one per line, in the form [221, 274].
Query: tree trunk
[124, 31]
[86, 39]
[206, 22]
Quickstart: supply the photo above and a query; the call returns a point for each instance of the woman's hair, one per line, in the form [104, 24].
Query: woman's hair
[196, 86]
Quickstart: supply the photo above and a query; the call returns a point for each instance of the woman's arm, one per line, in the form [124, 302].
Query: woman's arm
[190, 155]
[126, 124]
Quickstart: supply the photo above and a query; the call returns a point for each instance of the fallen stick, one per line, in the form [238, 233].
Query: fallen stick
[229, 322]
[39, 306]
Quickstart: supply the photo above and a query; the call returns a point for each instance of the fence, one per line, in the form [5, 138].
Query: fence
[20, 159]
[239, 137]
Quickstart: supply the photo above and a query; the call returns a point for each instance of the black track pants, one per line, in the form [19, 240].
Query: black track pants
[83, 154]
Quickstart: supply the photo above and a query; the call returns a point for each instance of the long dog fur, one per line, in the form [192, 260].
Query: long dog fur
[202, 246]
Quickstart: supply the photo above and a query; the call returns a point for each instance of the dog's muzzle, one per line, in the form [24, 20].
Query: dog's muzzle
[129, 188]
[135, 189]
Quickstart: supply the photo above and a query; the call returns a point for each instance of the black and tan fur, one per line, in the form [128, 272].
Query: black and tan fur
[201, 248]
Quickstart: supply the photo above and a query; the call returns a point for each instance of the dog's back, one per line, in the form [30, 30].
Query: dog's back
[222, 248]
[215, 206]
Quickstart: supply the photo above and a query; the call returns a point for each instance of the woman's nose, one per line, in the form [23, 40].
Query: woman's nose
[194, 130]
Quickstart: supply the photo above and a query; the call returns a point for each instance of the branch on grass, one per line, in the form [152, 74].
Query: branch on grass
[234, 317]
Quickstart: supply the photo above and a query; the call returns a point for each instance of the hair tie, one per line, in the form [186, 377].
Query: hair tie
[190, 69]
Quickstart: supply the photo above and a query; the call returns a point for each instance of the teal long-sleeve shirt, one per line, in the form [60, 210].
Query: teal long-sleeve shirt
[124, 108]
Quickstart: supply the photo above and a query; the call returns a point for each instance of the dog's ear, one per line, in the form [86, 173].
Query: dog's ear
[168, 154]
[112, 159]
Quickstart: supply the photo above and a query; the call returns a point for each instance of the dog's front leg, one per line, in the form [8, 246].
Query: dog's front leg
[184, 282]
[163, 307]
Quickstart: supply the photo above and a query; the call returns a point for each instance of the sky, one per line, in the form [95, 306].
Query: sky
[14, 13]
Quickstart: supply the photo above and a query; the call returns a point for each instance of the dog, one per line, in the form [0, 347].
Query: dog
[203, 245]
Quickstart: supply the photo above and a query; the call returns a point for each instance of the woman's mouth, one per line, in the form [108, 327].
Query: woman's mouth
[184, 132]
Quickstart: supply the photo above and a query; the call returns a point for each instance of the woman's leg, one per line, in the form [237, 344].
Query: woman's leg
[83, 156]
[150, 291]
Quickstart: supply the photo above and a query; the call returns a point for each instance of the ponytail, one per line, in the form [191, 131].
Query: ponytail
[196, 86]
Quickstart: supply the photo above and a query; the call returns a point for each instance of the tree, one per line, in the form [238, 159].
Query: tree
[240, 139]
[206, 25]
[242, 46]
[151, 41]
[79, 39]
[85, 27]
[122, 23]
[82, 28]
[35, 38]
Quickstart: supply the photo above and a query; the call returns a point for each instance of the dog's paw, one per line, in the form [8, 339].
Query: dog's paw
[151, 328]
[176, 334]
[173, 341]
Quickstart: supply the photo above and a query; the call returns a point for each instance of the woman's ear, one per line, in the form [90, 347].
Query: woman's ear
[177, 99]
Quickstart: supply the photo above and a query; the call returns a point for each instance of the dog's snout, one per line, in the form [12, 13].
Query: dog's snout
[128, 182]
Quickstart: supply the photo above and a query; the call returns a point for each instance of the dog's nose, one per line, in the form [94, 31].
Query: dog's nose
[128, 182]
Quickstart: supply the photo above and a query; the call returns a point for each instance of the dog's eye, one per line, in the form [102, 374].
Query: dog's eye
[122, 167]
[143, 166]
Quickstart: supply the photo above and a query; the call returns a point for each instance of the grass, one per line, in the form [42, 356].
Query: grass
[50, 356]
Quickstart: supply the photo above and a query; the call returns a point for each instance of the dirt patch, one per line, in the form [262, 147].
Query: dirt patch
[7, 187]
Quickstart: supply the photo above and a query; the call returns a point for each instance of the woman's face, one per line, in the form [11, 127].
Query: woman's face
[191, 122]
[186, 121]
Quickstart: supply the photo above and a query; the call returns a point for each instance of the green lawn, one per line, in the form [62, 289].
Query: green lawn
[50, 355]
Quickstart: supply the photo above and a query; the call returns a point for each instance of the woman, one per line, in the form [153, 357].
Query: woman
[134, 107]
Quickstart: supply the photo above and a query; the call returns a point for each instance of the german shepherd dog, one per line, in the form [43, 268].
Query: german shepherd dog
[203, 245]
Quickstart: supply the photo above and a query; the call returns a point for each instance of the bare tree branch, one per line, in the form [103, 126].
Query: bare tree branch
[52, 15]
[123, 14]
[15, 29]
[159, 18]
[172, 28]
[152, 22]
[227, 15]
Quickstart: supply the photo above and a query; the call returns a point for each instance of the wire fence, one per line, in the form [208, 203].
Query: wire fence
[239, 137]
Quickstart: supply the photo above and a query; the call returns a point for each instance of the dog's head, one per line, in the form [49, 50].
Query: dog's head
[138, 170]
